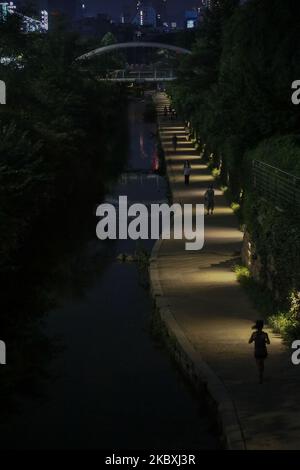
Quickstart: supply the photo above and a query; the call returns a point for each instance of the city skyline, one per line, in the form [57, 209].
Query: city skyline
[166, 10]
[175, 8]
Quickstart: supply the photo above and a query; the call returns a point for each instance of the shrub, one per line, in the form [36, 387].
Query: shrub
[216, 172]
[285, 322]
[236, 207]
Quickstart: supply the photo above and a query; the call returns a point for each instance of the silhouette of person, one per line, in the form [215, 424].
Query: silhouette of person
[260, 339]
[209, 198]
[175, 142]
[187, 172]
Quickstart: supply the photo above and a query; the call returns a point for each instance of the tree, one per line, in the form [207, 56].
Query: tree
[59, 123]
[235, 87]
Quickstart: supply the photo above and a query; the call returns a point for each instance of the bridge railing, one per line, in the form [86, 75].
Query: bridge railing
[141, 74]
[277, 185]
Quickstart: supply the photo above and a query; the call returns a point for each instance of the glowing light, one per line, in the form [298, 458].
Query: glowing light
[181, 158]
[223, 234]
[194, 178]
[196, 166]
[186, 146]
[173, 128]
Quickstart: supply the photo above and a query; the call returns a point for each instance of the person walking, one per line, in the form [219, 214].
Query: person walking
[175, 142]
[260, 339]
[187, 172]
[209, 198]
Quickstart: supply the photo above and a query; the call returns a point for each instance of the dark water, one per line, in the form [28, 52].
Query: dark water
[111, 385]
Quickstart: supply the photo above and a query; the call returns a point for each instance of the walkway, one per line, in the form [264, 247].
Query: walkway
[212, 314]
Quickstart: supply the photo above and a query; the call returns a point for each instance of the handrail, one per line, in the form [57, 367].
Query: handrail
[276, 169]
[278, 185]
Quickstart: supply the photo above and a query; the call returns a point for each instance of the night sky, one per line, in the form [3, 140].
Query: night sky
[114, 7]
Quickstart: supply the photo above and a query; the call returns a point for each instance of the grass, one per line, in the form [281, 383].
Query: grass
[283, 322]
[259, 296]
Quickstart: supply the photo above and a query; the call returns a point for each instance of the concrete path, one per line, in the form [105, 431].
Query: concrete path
[214, 314]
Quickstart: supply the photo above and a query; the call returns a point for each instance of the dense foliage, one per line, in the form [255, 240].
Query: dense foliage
[58, 127]
[62, 142]
[235, 90]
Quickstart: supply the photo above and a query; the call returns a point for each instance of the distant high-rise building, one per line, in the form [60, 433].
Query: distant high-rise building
[81, 10]
[160, 7]
[45, 20]
[146, 16]
[126, 13]
[206, 3]
[136, 5]
[28, 23]
[161, 11]
[6, 8]
[191, 18]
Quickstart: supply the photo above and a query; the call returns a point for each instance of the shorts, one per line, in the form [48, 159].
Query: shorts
[261, 356]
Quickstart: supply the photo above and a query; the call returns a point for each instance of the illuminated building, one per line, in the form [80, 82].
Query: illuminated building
[191, 18]
[45, 20]
[28, 24]
[6, 8]
[126, 14]
[145, 16]
[161, 11]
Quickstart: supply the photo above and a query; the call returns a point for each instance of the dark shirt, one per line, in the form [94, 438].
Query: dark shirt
[210, 195]
[260, 339]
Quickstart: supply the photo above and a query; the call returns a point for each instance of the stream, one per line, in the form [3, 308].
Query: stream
[111, 384]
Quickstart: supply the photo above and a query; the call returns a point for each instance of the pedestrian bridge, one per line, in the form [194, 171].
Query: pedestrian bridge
[135, 44]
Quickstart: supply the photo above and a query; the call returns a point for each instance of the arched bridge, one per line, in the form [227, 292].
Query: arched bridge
[128, 45]
[131, 75]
